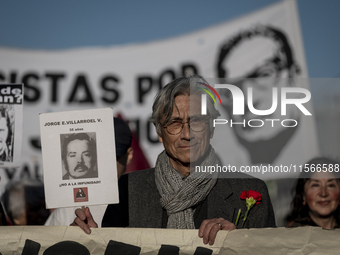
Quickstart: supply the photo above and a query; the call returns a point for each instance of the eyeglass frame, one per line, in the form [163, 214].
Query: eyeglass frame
[274, 62]
[206, 121]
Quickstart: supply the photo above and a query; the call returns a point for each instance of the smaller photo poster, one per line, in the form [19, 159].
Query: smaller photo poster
[11, 110]
[79, 162]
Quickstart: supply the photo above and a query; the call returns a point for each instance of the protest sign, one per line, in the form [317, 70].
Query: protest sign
[11, 110]
[79, 162]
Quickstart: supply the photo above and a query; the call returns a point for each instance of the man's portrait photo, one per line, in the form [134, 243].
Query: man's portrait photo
[79, 155]
[6, 133]
[259, 58]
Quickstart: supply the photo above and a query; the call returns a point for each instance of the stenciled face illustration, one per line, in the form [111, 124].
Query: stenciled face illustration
[260, 63]
[260, 74]
[79, 158]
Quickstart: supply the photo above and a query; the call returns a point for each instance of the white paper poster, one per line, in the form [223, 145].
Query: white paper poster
[78, 149]
[11, 109]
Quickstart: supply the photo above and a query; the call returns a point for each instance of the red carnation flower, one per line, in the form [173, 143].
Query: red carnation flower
[252, 197]
[251, 193]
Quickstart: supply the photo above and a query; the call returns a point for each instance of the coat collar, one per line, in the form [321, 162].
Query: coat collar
[220, 201]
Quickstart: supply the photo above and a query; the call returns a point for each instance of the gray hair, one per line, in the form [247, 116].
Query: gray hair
[165, 100]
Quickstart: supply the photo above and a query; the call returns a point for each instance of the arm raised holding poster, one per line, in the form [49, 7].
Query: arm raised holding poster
[124, 155]
[77, 148]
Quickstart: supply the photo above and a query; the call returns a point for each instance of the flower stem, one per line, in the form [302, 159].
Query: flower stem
[238, 216]
[245, 218]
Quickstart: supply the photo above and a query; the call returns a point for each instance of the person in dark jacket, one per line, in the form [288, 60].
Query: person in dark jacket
[173, 194]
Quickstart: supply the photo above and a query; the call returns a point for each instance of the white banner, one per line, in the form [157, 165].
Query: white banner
[127, 78]
[36, 240]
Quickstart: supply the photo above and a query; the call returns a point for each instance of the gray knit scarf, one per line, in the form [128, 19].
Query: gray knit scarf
[179, 195]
